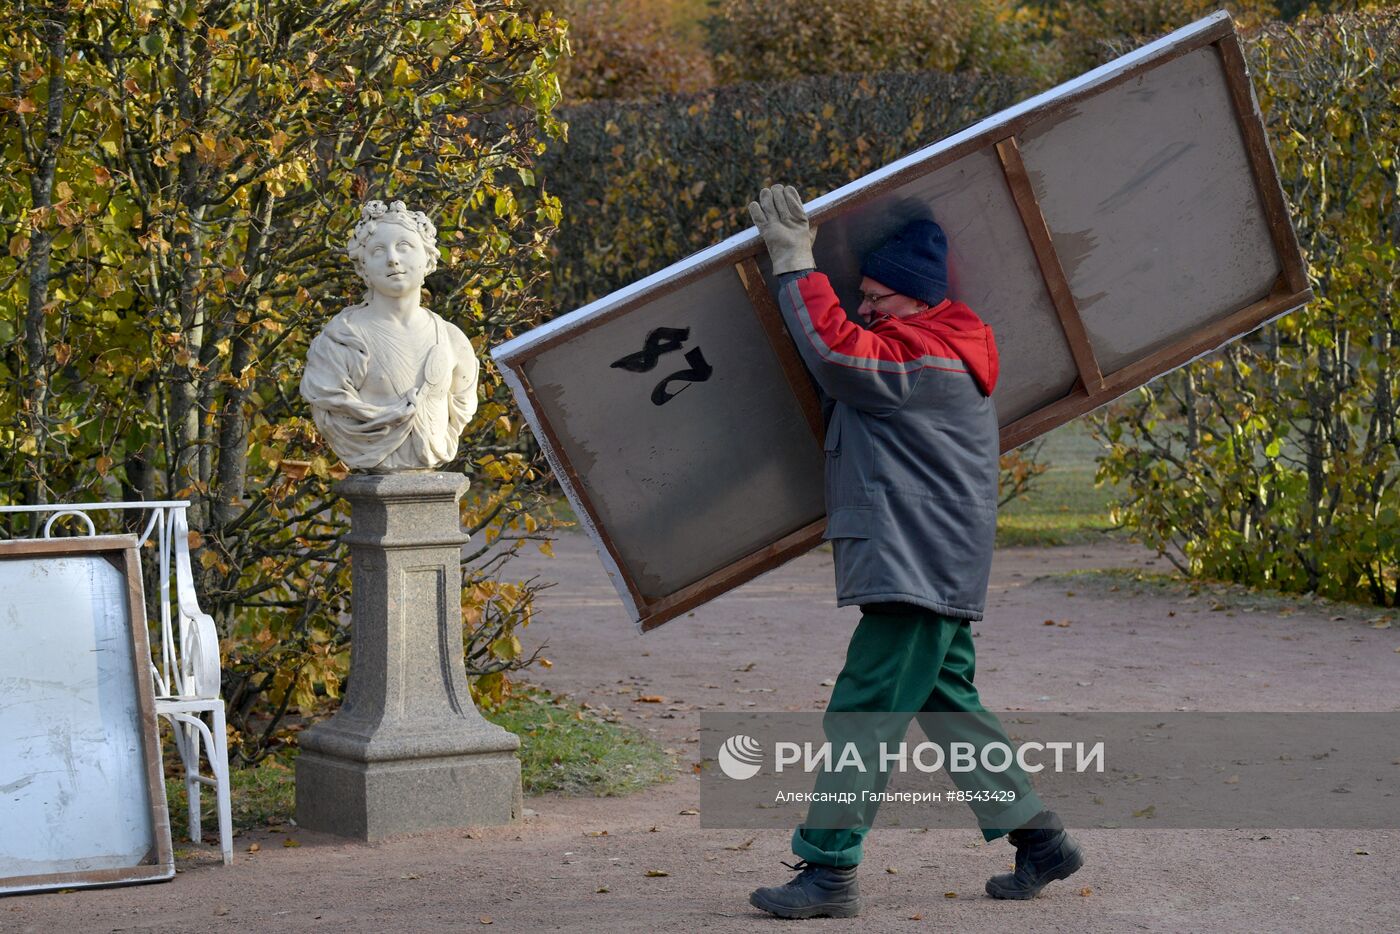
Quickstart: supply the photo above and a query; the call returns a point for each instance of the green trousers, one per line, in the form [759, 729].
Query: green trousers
[904, 665]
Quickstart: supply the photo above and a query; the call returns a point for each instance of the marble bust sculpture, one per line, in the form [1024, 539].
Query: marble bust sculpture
[391, 384]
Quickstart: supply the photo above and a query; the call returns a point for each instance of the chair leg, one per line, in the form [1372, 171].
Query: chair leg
[190, 756]
[218, 765]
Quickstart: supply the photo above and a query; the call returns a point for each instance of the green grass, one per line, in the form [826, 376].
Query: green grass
[262, 796]
[1063, 507]
[563, 747]
[570, 749]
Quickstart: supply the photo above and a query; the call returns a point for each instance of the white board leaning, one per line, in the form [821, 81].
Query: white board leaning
[1110, 230]
[82, 799]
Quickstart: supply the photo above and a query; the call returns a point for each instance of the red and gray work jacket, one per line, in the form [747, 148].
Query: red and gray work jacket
[911, 447]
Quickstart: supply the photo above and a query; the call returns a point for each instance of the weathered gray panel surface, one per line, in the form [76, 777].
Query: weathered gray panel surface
[726, 466]
[73, 793]
[1153, 207]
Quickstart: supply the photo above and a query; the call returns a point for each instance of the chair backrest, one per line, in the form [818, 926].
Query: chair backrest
[188, 666]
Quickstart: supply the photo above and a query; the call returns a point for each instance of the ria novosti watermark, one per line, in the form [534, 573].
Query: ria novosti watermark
[1158, 770]
[740, 757]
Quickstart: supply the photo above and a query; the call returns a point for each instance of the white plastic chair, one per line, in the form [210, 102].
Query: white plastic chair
[187, 677]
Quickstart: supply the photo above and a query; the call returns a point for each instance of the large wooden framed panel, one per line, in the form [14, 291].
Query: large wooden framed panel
[1110, 230]
[82, 798]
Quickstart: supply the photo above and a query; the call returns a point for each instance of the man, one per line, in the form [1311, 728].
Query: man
[911, 490]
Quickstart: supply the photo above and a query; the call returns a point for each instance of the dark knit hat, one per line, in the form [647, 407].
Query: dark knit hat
[913, 262]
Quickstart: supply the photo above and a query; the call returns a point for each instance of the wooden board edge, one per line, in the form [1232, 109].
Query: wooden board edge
[739, 572]
[145, 698]
[1052, 272]
[770, 318]
[1261, 162]
[1143, 371]
[68, 544]
[20, 885]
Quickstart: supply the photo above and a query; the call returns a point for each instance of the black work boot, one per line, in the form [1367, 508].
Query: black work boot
[817, 892]
[1042, 856]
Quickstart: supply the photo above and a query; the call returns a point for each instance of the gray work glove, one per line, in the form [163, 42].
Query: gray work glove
[779, 216]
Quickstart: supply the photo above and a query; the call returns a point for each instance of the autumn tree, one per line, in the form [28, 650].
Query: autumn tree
[181, 178]
[1276, 462]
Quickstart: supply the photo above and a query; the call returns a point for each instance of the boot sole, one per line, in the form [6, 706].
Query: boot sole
[1066, 868]
[827, 910]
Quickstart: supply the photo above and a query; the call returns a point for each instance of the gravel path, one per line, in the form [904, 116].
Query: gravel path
[581, 864]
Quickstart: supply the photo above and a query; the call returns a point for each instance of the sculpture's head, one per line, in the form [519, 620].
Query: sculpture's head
[393, 248]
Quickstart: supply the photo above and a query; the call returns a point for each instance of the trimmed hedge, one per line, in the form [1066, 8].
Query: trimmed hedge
[645, 183]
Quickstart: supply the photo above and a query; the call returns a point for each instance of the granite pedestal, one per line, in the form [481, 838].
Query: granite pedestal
[408, 749]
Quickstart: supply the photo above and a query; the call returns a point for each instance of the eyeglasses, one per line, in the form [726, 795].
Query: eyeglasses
[875, 300]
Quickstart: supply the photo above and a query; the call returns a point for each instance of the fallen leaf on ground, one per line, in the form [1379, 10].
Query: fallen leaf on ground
[1049, 622]
[1363, 852]
[917, 917]
[742, 846]
[829, 683]
[410, 875]
[1086, 891]
[748, 667]
[486, 920]
[1339, 619]
[602, 889]
[254, 847]
[654, 873]
[688, 812]
[652, 699]
[290, 842]
[1064, 625]
[950, 894]
[596, 833]
[891, 870]
[221, 911]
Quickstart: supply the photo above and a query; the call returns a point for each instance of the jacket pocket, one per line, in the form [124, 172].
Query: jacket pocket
[848, 522]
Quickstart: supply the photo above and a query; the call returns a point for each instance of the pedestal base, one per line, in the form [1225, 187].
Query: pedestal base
[371, 800]
[407, 750]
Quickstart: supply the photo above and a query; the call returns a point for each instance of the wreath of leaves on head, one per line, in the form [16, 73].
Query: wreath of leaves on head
[372, 213]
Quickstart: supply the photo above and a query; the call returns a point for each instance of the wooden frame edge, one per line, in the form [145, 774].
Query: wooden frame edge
[1143, 371]
[1267, 184]
[740, 572]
